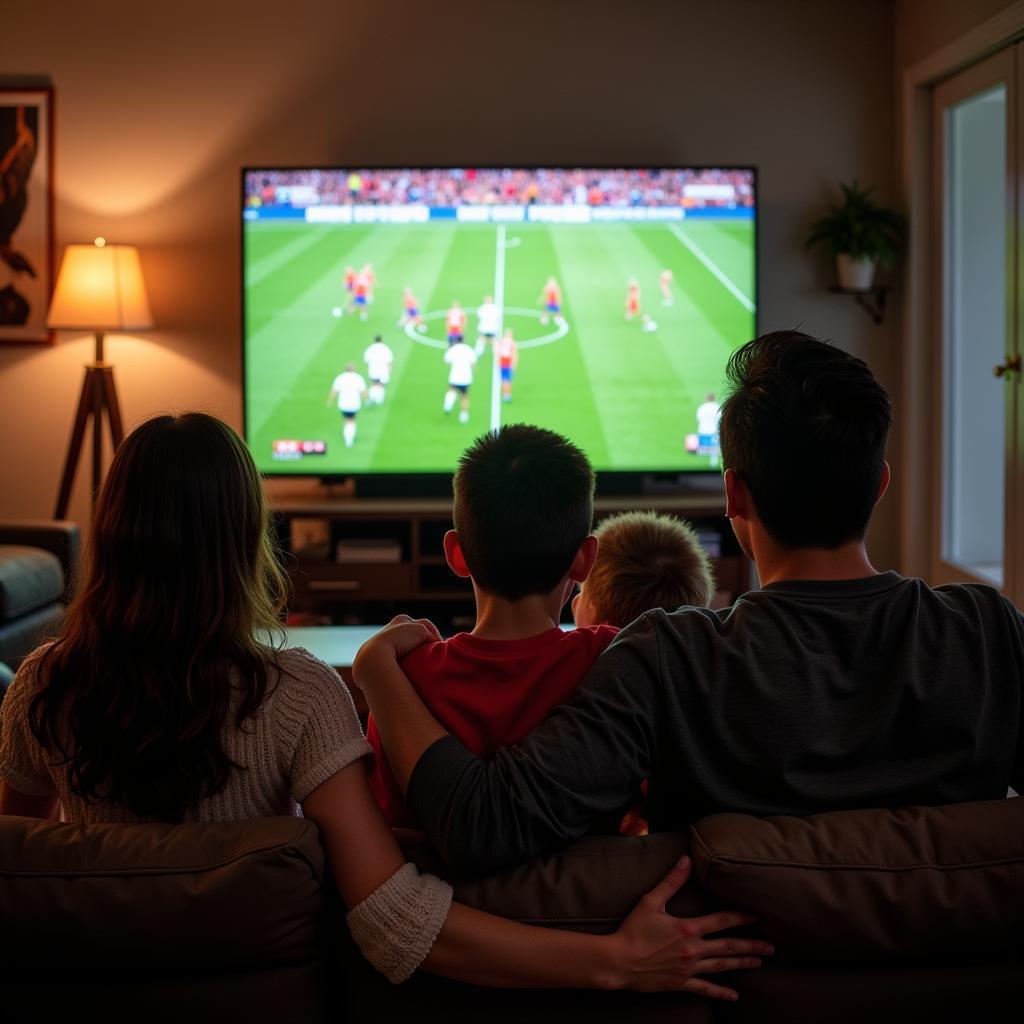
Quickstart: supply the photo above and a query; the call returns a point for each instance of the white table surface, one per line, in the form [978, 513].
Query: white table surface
[337, 645]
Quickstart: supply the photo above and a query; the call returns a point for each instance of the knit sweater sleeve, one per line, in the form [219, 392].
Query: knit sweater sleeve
[398, 923]
[317, 722]
[23, 762]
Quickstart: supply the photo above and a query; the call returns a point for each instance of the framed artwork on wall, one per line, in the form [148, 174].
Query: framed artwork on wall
[26, 214]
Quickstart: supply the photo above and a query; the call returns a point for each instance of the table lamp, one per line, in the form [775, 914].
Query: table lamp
[99, 288]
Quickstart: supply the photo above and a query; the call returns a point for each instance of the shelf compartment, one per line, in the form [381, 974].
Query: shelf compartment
[326, 581]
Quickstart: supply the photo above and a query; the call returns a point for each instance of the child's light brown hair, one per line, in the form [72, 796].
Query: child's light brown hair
[646, 561]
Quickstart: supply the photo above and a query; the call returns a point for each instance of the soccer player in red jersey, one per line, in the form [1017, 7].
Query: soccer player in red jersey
[551, 297]
[370, 278]
[411, 311]
[508, 360]
[632, 299]
[455, 324]
[360, 298]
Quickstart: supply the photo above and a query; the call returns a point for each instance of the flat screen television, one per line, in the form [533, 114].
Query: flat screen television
[392, 315]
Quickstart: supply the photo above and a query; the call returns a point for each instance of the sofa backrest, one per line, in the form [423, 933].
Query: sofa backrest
[177, 896]
[589, 886]
[233, 918]
[918, 883]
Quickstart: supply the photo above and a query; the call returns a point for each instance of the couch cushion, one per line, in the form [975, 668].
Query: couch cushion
[589, 886]
[29, 579]
[876, 884]
[135, 896]
[21, 636]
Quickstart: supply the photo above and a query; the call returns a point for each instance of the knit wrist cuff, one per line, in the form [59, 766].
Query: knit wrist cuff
[397, 924]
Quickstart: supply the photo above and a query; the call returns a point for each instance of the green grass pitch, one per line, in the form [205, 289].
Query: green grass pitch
[626, 396]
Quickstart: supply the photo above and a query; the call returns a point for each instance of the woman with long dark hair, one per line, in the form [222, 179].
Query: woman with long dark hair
[165, 699]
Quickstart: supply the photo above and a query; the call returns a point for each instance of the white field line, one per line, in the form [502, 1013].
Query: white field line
[712, 266]
[499, 301]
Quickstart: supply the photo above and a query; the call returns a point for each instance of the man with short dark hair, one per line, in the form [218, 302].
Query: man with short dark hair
[833, 686]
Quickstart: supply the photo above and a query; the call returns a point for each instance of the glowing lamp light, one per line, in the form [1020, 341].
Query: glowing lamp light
[99, 288]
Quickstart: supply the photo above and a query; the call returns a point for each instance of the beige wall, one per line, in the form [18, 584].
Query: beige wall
[156, 113]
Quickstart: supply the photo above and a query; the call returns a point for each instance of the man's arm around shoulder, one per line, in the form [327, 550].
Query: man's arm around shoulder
[583, 762]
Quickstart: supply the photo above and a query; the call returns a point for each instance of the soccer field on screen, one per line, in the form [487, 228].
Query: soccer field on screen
[626, 395]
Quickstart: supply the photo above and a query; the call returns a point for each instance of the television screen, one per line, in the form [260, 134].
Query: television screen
[392, 315]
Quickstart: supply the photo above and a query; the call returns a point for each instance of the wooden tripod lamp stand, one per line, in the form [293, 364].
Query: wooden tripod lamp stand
[99, 289]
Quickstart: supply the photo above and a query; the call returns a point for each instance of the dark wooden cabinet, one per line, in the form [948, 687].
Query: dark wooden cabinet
[363, 560]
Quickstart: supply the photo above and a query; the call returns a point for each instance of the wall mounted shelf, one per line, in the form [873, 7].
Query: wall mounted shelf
[871, 300]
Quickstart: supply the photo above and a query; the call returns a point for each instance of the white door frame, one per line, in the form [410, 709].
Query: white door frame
[917, 429]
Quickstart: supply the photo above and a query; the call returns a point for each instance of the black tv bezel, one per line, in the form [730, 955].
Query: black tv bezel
[385, 483]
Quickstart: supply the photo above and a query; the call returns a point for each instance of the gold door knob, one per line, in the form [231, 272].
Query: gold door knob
[1012, 365]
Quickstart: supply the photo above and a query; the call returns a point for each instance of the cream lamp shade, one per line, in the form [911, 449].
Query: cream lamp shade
[100, 288]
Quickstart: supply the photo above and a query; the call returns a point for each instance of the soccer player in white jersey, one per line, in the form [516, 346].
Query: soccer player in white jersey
[378, 358]
[488, 323]
[708, 415]
[350, 389]
[461, 359]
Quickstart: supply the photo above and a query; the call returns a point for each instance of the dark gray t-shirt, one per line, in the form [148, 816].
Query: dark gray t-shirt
[802, 697]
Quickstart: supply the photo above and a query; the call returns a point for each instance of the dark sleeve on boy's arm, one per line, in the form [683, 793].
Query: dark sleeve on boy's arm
[585, 760]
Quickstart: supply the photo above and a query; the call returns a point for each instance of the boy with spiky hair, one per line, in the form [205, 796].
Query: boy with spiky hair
[645, 561]
[523, 511]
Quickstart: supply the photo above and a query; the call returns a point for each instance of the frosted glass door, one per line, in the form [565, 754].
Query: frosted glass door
[975, 205]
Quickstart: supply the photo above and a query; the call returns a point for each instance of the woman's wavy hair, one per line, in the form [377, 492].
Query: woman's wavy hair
[174, 627]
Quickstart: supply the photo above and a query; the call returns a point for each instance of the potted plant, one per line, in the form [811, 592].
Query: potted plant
[860, 234]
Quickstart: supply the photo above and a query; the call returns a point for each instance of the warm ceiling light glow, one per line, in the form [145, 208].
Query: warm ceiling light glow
[100, 288]
[99, 242]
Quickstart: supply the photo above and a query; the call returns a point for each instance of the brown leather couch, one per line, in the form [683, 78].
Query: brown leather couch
[913, 914]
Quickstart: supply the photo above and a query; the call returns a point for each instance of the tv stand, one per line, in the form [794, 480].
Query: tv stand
[682, 485]
[361, 560]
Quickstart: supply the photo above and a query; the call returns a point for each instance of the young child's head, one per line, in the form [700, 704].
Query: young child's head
[644, 561]
[524, 505]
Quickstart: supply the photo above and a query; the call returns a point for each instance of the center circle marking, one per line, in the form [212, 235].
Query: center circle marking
[560, 331]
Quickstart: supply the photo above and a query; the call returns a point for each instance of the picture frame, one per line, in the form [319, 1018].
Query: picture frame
[26, 214]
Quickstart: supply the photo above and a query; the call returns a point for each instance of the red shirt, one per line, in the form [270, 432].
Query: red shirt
[488, 693]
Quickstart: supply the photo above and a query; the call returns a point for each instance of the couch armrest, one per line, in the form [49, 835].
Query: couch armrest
[58, 536]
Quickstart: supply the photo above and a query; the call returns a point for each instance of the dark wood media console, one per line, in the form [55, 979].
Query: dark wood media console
[363, 560]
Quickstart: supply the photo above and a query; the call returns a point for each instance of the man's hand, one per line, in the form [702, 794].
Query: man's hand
[659, 952]
[405, 724]
[400, 636]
